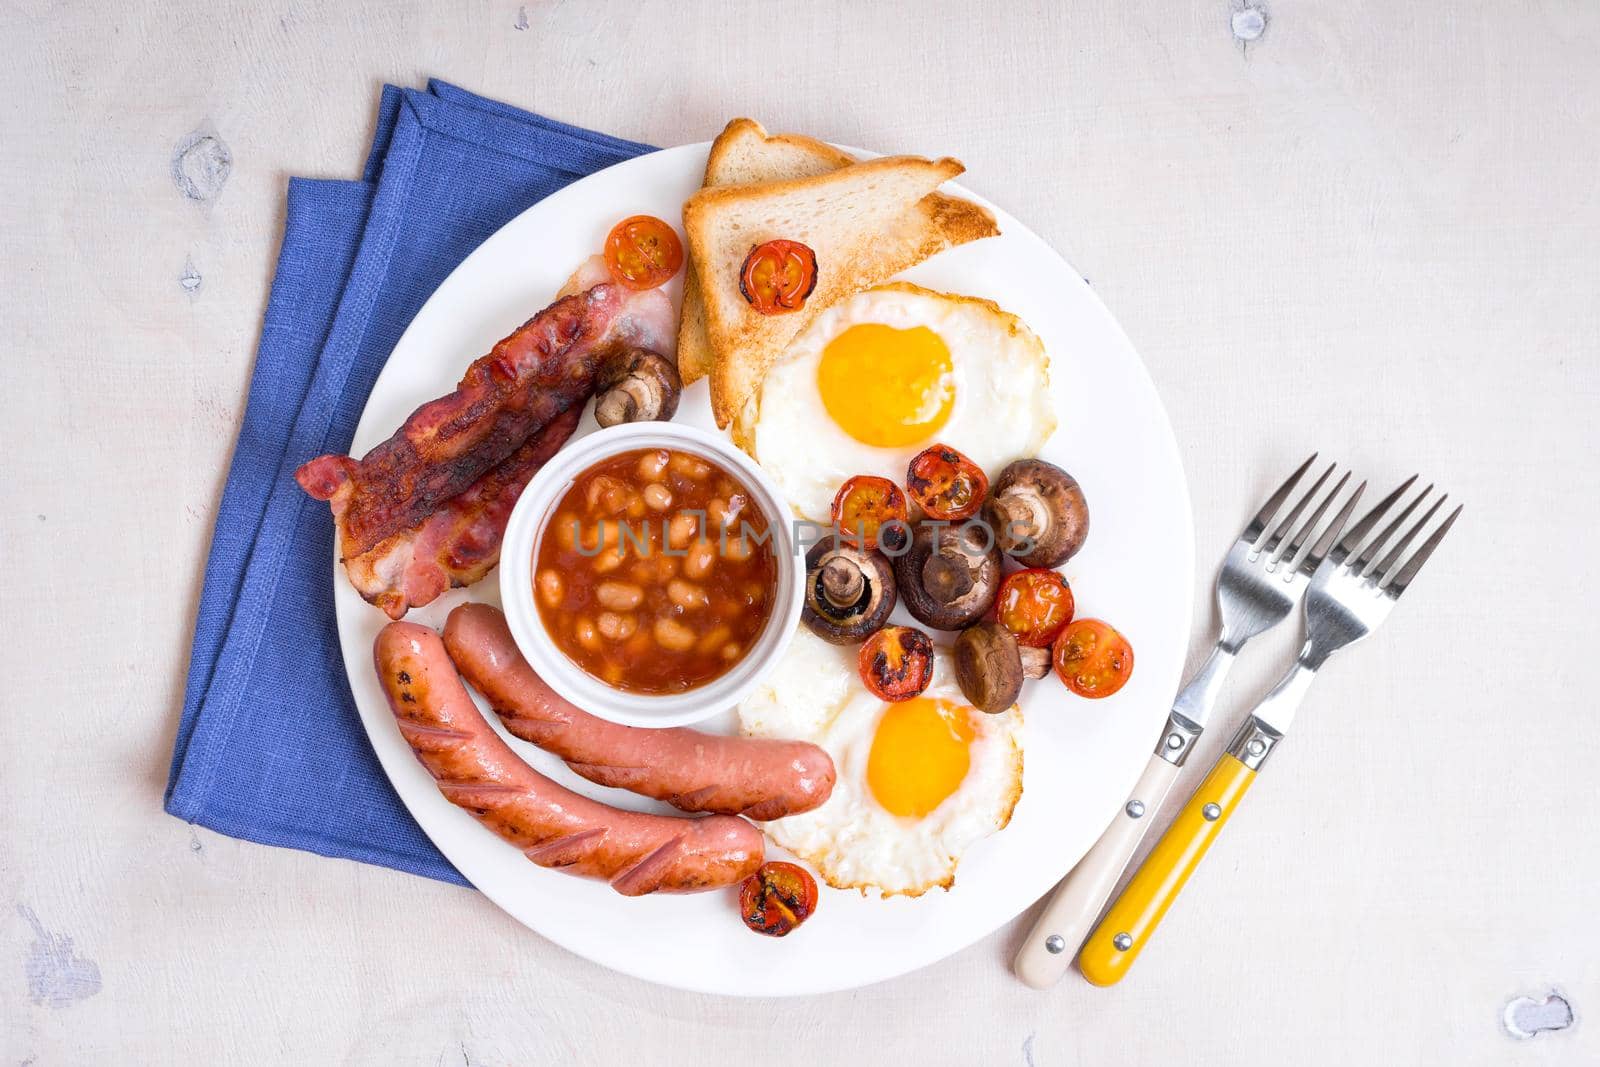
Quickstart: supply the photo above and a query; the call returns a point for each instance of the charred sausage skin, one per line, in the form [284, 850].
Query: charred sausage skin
[553, 826]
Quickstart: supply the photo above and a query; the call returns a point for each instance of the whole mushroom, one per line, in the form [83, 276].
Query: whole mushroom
[949, 575]
[636, 385]
[990, 666]
[1038, 502]
[850, 592]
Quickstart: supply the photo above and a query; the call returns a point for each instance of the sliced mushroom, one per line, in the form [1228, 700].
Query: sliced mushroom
[991, 664]
[988, 664]
[1038, 512]
[850, 592]
[636, 385]
[1035, 661]
[950, 574]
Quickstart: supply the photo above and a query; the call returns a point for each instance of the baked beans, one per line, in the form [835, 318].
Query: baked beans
[656, 572]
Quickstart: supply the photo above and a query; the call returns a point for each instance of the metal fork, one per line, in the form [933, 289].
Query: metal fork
[1265, 574]
[1350, 592]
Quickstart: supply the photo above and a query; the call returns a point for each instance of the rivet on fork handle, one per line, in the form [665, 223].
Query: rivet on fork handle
[1177, 741]
[1253, 743]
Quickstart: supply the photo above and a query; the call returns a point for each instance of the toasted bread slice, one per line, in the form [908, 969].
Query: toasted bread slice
[745, 154]
[848, 219]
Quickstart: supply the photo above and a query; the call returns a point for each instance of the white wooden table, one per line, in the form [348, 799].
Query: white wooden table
[1374, 230]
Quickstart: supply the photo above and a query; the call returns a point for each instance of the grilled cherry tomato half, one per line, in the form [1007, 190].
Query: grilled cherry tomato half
[863, 505]
[1034, 604]
[896, 663]
[778, 276]
[1092, 658]
[642, 252]
[945, 484]
[777, 898]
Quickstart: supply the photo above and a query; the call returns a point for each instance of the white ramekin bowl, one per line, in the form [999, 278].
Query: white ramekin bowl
[532, 514]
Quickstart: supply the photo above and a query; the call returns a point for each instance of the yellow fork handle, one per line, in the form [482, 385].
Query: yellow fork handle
[1128, 926]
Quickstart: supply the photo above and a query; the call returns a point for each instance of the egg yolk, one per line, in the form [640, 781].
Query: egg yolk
[887, 387]
[919, 755]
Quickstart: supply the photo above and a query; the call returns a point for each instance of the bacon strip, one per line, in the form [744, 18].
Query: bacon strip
[544, 368]
[460, 542]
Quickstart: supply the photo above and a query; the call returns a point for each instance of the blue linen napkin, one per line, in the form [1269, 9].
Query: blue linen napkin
[270, 747]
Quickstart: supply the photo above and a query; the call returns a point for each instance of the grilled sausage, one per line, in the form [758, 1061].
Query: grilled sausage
[553, 826]
[761, 778]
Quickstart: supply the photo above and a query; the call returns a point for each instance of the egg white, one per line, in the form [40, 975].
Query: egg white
[1002, 409]
[853, 842]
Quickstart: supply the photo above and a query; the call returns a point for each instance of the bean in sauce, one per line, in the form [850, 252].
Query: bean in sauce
[656, 573]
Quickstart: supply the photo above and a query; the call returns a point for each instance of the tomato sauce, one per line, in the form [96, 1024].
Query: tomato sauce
[656, 572]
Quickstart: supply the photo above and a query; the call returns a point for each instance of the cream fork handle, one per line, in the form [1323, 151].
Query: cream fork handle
[1071, 912]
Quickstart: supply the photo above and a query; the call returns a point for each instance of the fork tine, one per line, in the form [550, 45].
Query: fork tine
[1398, 583]
[1281, 532]
[1292, 553]
[1258, 525]
[1313, 558]
[1384, 565]
[1370, 552]
[1358, 532]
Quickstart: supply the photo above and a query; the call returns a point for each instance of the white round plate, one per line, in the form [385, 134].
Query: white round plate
[1081, 756]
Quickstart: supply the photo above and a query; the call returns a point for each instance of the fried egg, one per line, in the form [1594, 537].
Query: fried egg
[884, 374]
[919, 781]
